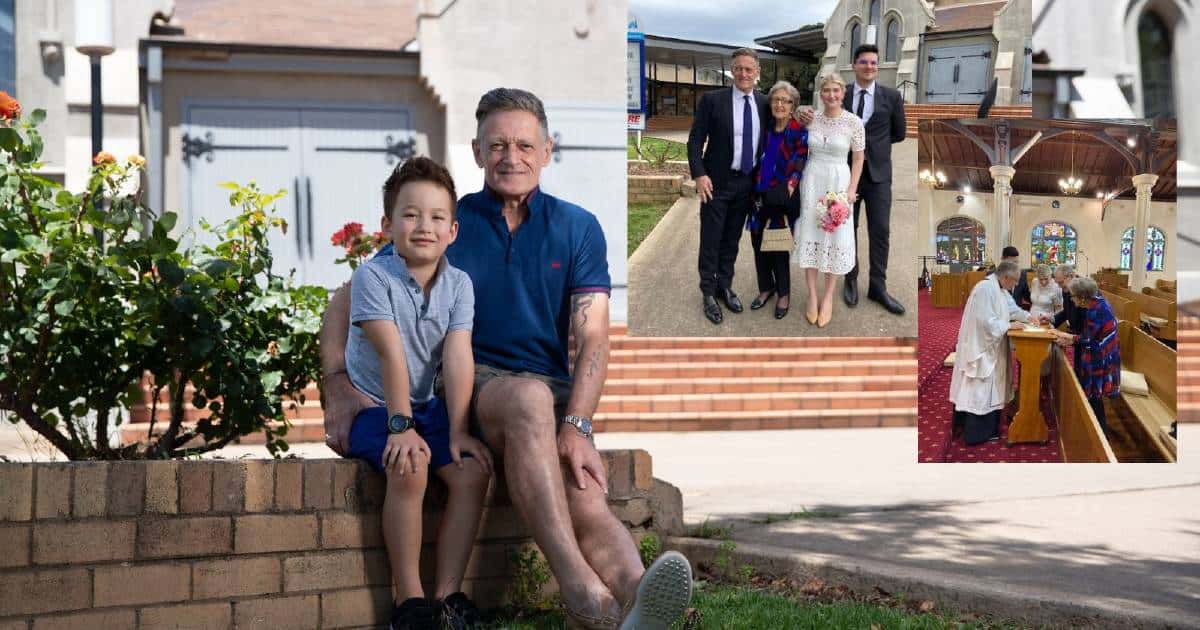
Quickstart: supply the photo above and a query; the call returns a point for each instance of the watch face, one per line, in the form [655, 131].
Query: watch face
[399, 423]
[586, 426]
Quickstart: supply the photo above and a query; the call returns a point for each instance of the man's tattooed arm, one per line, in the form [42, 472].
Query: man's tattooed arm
[589, 321]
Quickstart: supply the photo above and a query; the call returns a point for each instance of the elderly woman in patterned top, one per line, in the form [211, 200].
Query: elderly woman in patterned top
[784, 146]
[1099, 363]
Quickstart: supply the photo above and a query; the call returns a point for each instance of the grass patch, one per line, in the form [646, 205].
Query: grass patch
[642, 219]
[803, 514]
[654, 148]
[722, 607]
[711, 530]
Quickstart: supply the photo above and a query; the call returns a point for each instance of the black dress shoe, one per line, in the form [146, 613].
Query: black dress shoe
[731, 300]
[850, 292]
[712, 310]
[887, 301]
[760, 301]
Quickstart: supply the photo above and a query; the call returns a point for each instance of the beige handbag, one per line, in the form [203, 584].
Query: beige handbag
[777, 240]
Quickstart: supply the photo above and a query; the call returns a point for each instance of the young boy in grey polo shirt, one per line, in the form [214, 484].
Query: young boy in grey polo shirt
[412, 314]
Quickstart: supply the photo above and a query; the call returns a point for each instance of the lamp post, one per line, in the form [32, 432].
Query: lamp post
[94, 38]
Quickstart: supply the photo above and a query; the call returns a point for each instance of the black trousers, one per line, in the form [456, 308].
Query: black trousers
[878, 198]
[773, 268]
[721, 222]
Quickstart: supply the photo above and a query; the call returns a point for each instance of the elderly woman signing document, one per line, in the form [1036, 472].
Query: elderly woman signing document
[981, 385]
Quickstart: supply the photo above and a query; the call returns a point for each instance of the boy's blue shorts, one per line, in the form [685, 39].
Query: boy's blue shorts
[369, 434]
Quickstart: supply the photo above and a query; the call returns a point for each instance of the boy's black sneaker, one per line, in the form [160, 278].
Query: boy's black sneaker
[459, 612]
[416, 613]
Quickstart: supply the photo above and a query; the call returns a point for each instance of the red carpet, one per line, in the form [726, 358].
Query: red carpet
[938, 330]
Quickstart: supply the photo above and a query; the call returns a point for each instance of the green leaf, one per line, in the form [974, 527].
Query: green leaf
[65, 307]
[9, 139]
[271, 380]
[230, 186]
[167, 220]
[10, 255]
[36, 117]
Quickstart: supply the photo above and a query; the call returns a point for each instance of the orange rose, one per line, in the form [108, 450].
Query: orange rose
[103, 157]
[9, 107]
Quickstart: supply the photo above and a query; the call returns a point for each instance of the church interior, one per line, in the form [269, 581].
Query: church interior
[1099, 196]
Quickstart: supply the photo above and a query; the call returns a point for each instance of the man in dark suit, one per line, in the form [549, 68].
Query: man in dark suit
[730, 121]
[882, 111]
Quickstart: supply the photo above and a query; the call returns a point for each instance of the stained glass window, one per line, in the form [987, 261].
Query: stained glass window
[1053, 243]
[960, 240]
[1156, 249]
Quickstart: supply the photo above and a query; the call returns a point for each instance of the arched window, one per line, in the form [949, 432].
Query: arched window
[1053, 243]
[892, 52]
[1156, 249]
[874, 14]
[1154, 50]
[960, 240]
[855, 40]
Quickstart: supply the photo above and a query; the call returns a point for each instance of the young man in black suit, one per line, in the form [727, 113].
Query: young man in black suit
[730, 120]
[881, 109]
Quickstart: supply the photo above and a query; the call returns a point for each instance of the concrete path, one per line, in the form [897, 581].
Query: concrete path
[1114, 540]
[664, 295]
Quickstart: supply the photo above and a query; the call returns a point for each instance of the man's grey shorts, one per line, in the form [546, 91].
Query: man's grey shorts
[560, 389]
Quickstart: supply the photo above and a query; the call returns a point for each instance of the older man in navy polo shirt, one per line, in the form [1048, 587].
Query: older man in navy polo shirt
[539, 268]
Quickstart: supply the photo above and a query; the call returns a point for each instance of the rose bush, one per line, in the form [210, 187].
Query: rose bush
[95, 292]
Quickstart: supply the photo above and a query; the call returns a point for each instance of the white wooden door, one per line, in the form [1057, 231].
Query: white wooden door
[589, 150]
[348, 155]
[243, 144]
[958, 74]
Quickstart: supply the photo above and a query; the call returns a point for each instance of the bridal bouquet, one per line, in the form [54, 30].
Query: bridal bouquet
[834, 210]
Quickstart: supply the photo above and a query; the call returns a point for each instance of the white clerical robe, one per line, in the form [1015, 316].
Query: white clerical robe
[981, 382]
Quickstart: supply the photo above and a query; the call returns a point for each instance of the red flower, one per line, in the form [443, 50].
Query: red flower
[346, 236]
[9, 107]
[103, 157]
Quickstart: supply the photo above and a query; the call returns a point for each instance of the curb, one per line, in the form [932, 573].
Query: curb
[977, 595]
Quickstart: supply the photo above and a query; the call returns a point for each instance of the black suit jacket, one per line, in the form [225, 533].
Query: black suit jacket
[885, 127]
[714, 123]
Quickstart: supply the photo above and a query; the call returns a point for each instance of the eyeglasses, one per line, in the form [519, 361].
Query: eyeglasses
[782, 101]
[866, 62]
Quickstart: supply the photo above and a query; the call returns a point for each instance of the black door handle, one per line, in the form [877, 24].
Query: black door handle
[956, 72]
[308, 190]
[296, 227]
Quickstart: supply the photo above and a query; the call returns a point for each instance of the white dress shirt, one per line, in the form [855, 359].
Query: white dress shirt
[739, 103]
[869, 105]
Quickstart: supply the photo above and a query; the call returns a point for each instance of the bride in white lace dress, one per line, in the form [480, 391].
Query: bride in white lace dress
[833, 134]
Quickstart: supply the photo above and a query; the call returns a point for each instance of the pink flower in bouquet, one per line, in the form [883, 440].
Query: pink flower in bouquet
[835, 212]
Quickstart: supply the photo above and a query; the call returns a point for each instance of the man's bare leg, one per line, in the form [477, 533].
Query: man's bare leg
[604, 541]
[516, 416]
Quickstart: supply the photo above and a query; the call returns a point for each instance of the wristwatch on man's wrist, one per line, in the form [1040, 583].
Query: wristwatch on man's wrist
[581, 424]
[399, 423]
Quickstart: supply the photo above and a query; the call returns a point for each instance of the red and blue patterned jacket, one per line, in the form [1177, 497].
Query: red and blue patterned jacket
[785, 166]
[1100, 358]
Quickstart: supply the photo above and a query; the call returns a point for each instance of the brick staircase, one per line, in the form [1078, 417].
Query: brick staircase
[1188, 370]
[710, 384]
[914, 112]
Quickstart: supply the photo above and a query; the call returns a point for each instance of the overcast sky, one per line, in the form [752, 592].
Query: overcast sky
[734, 23]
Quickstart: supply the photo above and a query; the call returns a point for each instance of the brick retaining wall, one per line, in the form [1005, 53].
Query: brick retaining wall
[654, 188]
[251, 543]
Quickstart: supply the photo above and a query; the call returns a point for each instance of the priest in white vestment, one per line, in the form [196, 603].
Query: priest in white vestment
[981, 384]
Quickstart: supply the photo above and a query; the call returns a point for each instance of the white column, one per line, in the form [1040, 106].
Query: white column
[1144, 184]
[1001, 227]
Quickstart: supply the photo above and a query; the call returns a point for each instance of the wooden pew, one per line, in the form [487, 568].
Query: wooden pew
[1080, 438]
[1123, 308]
[1166, 285]
[1159, 293]
[948, 290]
[970, 279]
[1154, 307]
[1111, 280]
[1142, 353]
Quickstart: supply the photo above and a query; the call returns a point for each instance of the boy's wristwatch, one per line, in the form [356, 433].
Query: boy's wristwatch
[399, 423]
[581, 424]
